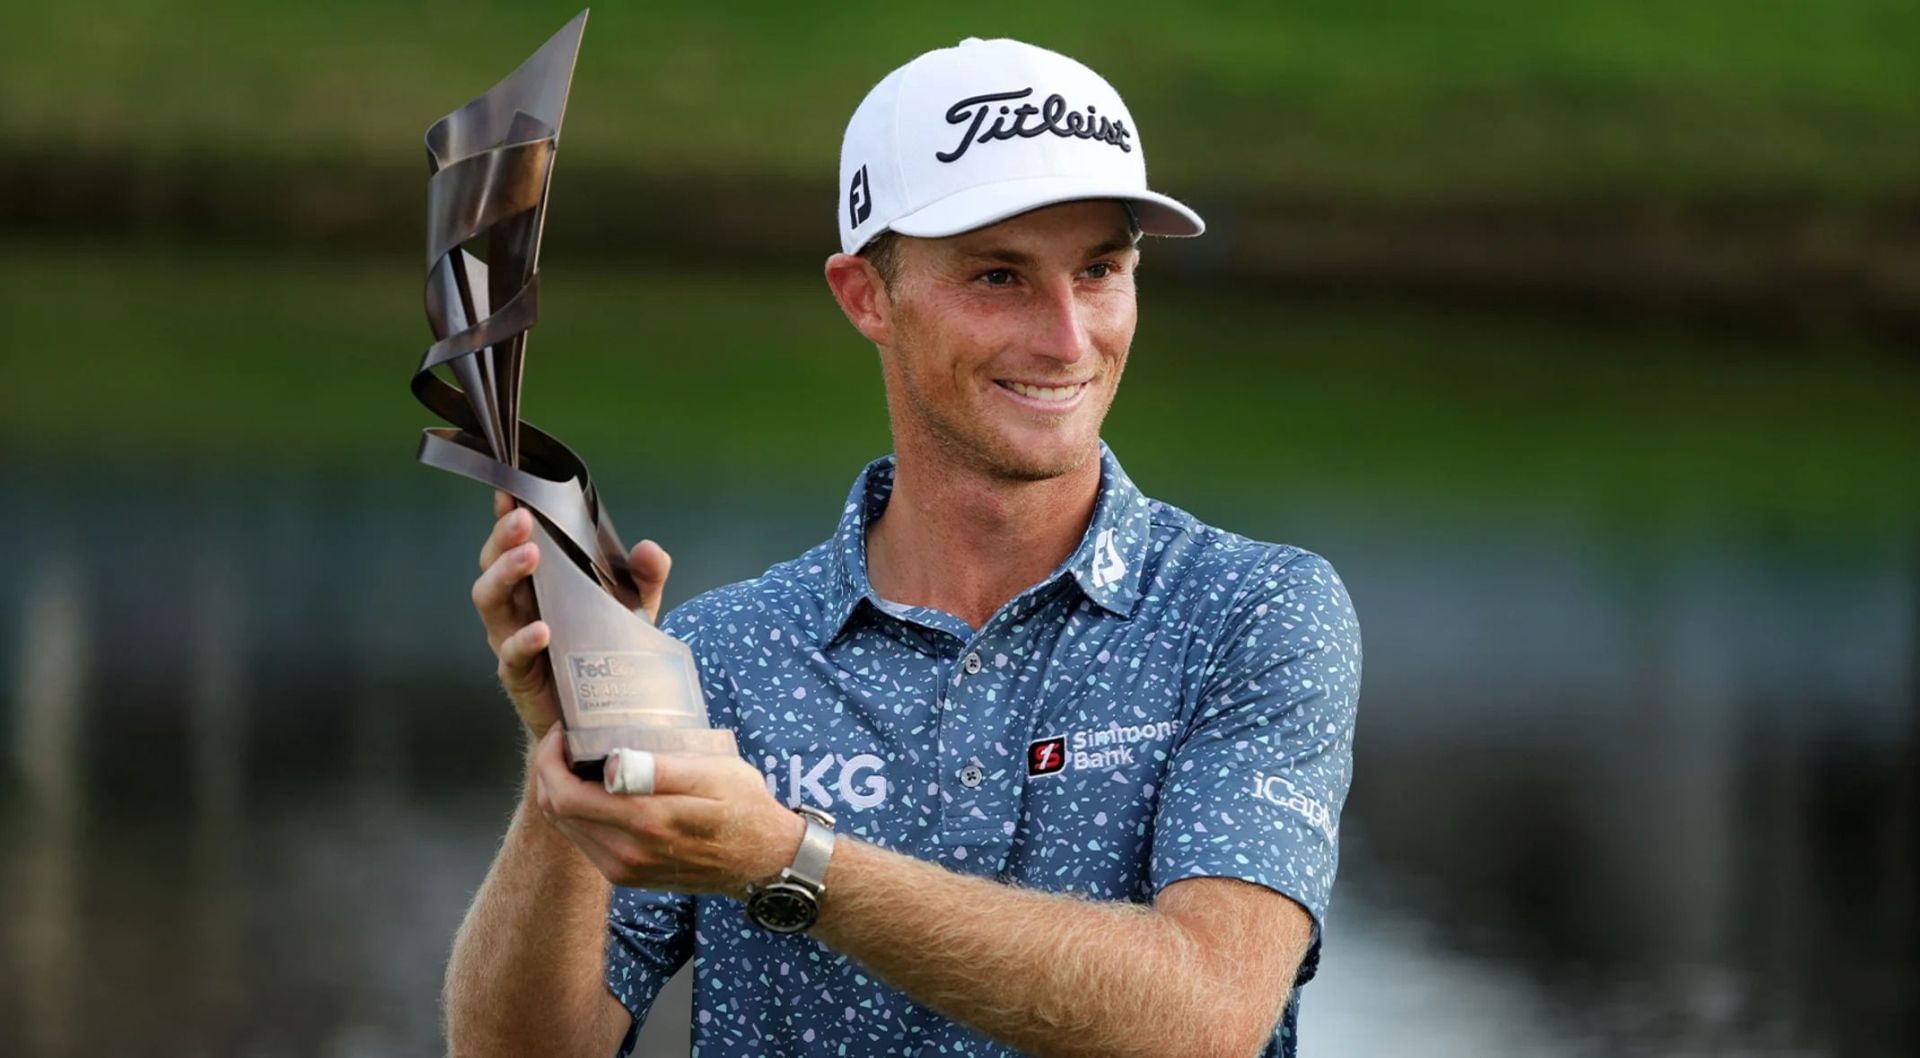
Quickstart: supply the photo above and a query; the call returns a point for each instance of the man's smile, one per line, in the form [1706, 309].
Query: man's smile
[1052, 398]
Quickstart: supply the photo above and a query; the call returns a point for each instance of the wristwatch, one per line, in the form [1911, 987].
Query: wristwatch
[791, 903]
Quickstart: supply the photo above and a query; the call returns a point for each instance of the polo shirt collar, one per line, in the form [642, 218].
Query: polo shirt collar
[1114, 548]
[1106, 565]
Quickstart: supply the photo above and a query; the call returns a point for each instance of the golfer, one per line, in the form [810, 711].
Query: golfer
[1032, 763]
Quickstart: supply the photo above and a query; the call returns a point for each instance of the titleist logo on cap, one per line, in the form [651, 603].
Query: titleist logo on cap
[1051, 115]
[964, 137]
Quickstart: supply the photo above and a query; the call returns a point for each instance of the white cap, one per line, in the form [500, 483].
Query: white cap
[966, 136]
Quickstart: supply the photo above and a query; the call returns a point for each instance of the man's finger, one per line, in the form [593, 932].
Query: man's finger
[692, 774]
[550, 749]
[509, 530]
[570, 795]
[520, 653]
[502, 503]
[650, 564]
[577, 798]
[493, 590]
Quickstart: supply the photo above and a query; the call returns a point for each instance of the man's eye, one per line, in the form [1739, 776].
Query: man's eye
[1101, 270]
[998, 277]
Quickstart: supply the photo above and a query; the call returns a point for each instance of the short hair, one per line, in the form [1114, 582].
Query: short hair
[883, 250]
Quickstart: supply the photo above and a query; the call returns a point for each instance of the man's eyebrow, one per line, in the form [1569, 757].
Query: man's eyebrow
[1009, 255]
[1123, 241]
[1002, 254]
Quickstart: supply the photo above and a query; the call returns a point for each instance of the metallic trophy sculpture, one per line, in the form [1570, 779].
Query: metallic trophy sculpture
[621, 682]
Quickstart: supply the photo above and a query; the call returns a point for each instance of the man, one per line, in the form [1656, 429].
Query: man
[1072, 761]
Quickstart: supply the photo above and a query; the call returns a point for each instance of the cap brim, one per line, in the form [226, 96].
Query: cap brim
[977, 207]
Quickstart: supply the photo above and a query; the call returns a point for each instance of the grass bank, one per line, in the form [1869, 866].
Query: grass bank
[211, 360]
[1481, 101]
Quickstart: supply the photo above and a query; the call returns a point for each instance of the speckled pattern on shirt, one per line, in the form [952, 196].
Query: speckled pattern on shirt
[1201, 686]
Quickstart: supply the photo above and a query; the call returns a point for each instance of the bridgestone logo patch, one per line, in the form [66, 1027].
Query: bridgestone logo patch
[1047, 756]
[1098, 748]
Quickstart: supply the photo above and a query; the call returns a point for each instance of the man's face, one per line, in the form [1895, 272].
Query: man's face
[1008, 341]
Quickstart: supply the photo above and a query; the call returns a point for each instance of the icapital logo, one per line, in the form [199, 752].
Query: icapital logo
[1280, 790]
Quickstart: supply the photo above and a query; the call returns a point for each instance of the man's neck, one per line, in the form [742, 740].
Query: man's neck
[964, 542]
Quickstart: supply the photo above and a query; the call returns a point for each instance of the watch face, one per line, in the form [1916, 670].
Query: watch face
[783, 908]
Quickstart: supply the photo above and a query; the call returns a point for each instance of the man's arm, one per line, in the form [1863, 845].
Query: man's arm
[526, 975]
[1204, 971]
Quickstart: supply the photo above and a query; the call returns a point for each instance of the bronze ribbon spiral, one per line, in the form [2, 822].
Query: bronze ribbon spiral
[492, 161]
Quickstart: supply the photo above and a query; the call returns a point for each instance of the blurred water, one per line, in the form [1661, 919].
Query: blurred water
[1646, 793]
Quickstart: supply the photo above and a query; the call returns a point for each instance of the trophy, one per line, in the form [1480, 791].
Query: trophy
[621, 682]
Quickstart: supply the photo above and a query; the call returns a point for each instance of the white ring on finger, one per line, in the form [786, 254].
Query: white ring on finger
[629, 771]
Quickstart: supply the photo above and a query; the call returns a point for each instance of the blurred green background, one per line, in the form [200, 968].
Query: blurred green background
[1663, 249]
[1579, 336]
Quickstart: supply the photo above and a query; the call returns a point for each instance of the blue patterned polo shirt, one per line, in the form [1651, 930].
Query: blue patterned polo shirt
[1173, 701]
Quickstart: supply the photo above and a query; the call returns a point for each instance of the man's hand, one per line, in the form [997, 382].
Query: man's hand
[710, 826]
[503, 595]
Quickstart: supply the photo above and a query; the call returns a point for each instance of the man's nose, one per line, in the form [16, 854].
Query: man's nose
[1060, 329]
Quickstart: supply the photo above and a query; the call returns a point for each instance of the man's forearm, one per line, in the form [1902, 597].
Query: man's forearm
[526, 972]
[1047, 973]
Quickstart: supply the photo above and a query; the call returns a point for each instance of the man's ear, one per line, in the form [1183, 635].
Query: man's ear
[862, 295]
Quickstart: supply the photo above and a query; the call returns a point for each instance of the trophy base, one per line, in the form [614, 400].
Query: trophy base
[589, 747]
[621, 682]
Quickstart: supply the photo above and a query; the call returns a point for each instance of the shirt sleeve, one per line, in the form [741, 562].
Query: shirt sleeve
[649, 937]
[1255, 787]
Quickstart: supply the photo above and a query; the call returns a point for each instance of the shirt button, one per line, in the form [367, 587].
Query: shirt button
[971, 776]
[972, 664]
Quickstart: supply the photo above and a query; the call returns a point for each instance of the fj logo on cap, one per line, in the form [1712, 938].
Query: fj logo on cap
[859, 199]
[1050, 116]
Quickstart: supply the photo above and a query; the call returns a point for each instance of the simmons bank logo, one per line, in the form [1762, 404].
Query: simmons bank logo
[832, 781]
[1100, 748]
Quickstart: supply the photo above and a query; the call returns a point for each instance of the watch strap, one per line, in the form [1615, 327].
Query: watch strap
[816, 849]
